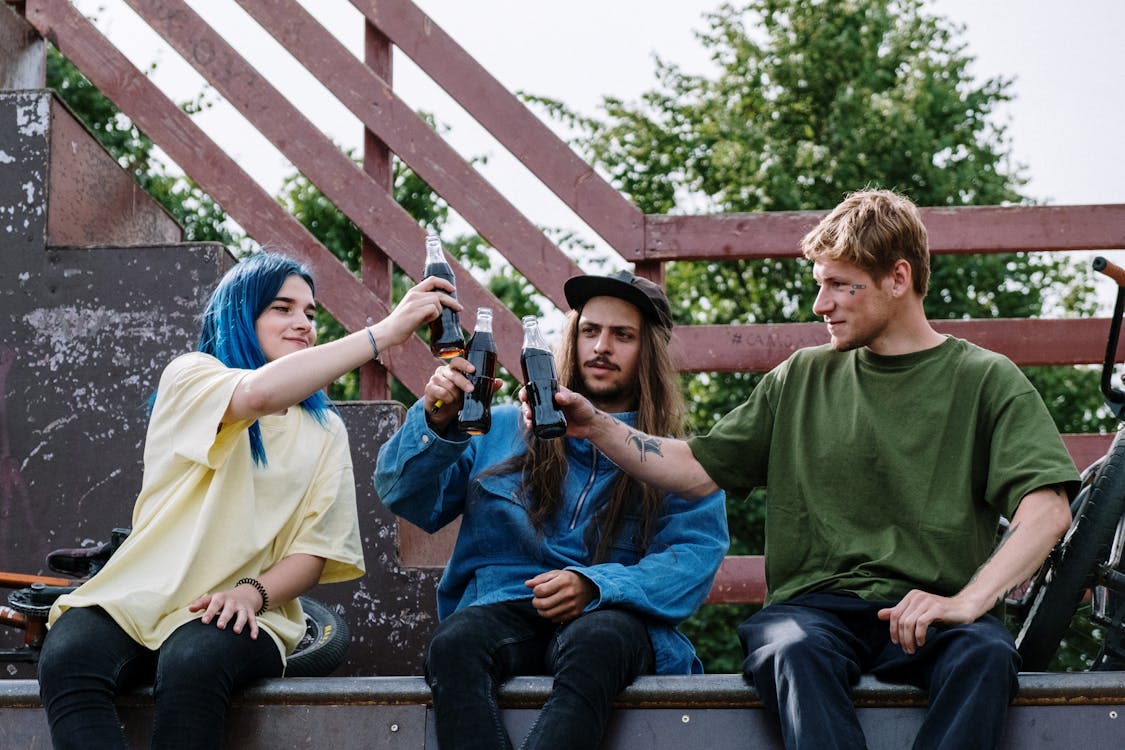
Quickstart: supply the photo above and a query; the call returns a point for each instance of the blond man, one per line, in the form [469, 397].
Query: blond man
[888, 456]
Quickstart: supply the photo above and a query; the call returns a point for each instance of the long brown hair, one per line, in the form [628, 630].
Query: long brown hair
[660, 411]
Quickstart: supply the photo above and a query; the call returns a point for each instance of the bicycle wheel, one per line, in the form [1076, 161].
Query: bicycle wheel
[325, 643]
[1074, 562]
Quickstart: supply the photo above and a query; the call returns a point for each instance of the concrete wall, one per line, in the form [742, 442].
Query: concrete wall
[717, 712]
[392, 611]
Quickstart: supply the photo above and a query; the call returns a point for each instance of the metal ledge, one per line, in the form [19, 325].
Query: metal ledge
[705, 691]
[719, 712]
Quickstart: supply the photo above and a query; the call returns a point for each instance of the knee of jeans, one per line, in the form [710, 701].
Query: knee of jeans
[185, 663]
[69, 664]
[784, 646]
[55, 654]
[606, 634]
[454, 646]
[439, 652]
[782, 636]
[55, 663]
[982, 649]
[64, 654]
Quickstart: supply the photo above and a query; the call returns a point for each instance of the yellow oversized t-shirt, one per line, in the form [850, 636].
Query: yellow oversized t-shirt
[208, 516]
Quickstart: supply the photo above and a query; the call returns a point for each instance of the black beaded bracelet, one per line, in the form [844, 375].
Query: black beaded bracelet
[261, 590]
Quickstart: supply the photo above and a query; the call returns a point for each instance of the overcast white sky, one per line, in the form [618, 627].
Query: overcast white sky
[1066, 122]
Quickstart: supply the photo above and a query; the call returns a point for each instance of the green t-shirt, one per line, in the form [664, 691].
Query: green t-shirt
[885, 474]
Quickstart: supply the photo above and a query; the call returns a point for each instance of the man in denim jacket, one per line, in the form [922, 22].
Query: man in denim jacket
[563, 564]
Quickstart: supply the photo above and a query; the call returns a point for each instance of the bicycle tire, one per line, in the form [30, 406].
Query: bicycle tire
[325, 644]
[1073, 566]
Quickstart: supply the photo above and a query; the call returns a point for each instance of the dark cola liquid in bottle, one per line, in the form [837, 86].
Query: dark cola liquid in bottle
[476, 411]
[541, 382]
[446, 339]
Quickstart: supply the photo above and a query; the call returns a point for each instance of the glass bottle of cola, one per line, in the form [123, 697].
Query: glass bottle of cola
[541, 382]
[446, 339]
[476, 412]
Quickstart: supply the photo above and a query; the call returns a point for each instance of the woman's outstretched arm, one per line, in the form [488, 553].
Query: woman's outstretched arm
[288, 380]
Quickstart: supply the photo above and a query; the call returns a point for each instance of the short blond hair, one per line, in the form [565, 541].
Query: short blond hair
[872, 229]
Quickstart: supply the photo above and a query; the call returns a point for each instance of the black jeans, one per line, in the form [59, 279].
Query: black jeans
[592, 659]
[87, 660]
[805, 654]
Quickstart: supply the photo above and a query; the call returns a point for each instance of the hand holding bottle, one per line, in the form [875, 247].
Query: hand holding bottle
[446, 339]
[428, 300]
[541, 382]
[444, 394]
[476, 411]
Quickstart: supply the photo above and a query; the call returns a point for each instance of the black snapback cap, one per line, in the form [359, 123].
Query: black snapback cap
[643, 294]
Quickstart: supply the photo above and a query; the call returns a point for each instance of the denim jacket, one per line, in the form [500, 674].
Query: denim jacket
[430, 480]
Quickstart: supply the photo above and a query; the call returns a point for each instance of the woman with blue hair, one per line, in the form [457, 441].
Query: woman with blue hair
[247, 501]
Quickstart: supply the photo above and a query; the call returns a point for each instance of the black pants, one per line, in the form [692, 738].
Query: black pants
[592, 659]
[87, 660]
[805, 654]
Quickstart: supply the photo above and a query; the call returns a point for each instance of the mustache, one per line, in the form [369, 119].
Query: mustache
[601, 362]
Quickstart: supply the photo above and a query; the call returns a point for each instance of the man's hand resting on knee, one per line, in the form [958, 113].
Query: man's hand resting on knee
[561, 595]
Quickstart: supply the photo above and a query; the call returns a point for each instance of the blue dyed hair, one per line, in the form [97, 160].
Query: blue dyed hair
[228, 334]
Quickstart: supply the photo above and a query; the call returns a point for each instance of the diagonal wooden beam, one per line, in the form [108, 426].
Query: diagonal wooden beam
[219, 175]
[599, 204]
[341, 180]
[372, 100]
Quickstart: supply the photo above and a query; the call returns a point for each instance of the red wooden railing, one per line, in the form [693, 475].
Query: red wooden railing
[363, 193]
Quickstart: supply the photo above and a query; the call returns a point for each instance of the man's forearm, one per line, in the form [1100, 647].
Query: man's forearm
[665, 463]
[1039, 522]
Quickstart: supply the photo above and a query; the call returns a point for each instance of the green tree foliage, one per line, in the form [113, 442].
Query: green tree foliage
[810, 101]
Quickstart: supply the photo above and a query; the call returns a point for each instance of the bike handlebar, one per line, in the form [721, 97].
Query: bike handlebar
[1114, 397]
[1110, 269]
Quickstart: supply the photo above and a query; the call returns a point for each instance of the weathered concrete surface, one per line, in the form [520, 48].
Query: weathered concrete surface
[91, 200]
[392, 611]
[25, 119]
[717, 712]
[84, 335]
[51, 168]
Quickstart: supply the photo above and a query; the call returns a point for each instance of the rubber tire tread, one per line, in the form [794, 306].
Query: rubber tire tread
[1083, 548]
[330, 641]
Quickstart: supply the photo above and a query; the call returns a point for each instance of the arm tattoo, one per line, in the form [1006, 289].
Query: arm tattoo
[1003, 540]
[1020, 588]
[644, 444]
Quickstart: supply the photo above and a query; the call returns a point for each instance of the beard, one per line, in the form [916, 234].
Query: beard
[601, 394]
